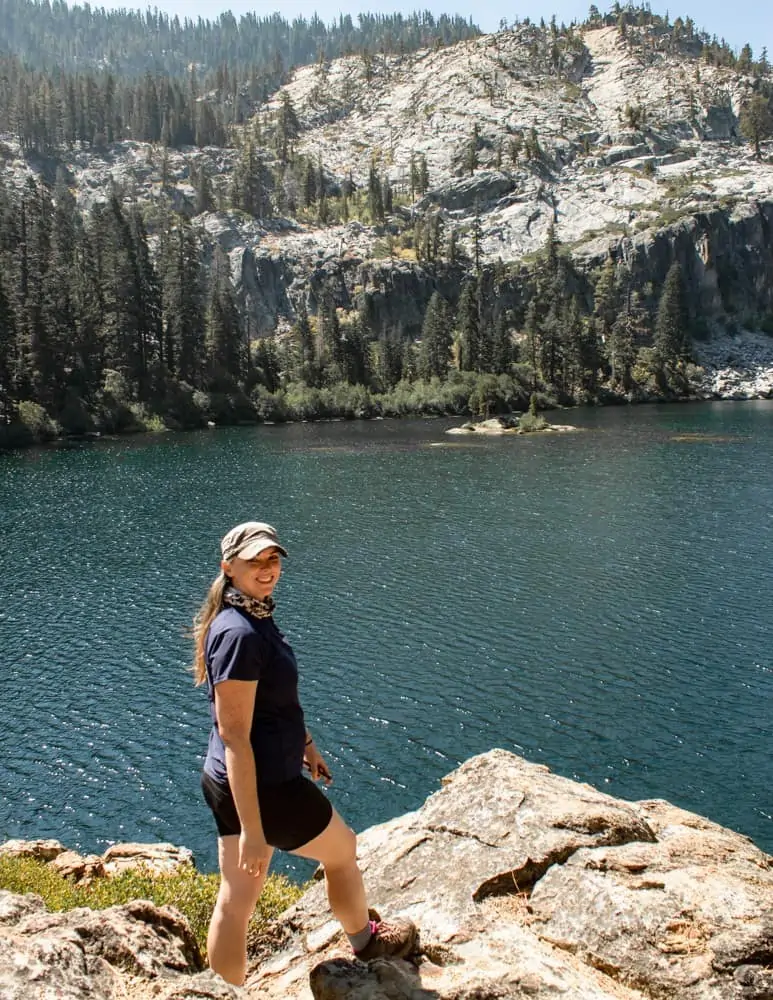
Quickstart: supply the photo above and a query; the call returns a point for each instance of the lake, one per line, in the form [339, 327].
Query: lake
[600, 602]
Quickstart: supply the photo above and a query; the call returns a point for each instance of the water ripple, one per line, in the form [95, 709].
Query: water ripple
[602, 604]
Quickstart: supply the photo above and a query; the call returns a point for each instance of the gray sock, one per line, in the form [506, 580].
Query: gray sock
[361, 938]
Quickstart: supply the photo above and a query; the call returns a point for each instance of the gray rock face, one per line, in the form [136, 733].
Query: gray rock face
[471, 193]
[527, 884]
[88, 954]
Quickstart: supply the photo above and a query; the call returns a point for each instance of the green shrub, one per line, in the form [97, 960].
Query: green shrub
[37, 422]
[646, 369]
[532, 422]
[190, 891]
[28, 875]
[271, 406]
[145, 419]
[114, 414]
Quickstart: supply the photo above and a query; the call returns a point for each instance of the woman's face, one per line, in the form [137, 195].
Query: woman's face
[255, 577]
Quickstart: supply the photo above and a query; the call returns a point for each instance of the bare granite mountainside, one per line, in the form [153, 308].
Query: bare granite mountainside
[525, 884]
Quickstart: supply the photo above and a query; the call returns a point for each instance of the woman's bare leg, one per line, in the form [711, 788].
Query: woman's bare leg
[336, 850]
[227, 937]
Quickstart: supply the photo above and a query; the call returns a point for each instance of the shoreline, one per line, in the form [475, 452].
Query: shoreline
[96, 437]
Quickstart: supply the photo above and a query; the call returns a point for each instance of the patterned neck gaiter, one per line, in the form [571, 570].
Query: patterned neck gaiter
[252, 605]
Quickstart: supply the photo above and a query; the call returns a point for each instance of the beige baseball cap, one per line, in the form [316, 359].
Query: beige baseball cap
[249, 539]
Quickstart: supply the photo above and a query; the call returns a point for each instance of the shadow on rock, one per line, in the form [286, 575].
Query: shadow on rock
[381, 979]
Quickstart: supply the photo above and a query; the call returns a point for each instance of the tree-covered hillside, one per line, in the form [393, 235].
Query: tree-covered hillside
[57, 37]
[195, 233]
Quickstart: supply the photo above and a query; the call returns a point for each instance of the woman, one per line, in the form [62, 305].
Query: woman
[258, 747]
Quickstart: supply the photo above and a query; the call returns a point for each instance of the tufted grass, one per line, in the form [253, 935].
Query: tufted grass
[189, 891]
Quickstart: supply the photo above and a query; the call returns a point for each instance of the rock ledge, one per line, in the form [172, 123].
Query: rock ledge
[524, 884]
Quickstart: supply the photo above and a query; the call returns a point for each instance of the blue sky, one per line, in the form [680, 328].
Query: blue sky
[744, 20]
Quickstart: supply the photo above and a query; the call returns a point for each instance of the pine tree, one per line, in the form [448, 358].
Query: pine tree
[572, 361]
[224, 338]
[148, 305]
[288, 126]
[355, 353]
[306, 369]
[423, 185]
[183, 298]
[502, 354]
[40, 353]
[470, 155]
[62, 309]
[756, 122]
[7, 358]
[249, 184]
[672, 336]
[268, 365]
[331, 352]
[390, 356]
[621, 350]
[375, 194]
[414, 177]
[550, 339]
[309, 185]
[86, 377]
[435, 349]
[606, 307]
[477, 237]
[203, 200]
[745, 59]
[469, 328]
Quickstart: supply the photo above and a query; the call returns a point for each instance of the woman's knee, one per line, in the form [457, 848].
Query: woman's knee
[346, 845]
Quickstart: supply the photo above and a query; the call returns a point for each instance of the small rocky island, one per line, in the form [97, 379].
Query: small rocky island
[524, 884]
[525, 424]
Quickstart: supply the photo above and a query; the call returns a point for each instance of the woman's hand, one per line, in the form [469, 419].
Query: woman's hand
[254, 853]
[315, 763]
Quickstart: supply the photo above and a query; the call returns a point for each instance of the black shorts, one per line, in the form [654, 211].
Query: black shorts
[293, 812]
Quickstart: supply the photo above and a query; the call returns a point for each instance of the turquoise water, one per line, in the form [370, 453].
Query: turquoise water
[600, 602]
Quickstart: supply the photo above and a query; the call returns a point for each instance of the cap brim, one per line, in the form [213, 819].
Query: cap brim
[252, 549]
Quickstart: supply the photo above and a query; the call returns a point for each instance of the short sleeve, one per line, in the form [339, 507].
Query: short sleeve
[235, 655]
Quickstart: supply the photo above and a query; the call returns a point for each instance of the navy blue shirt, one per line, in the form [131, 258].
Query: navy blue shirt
[242, 648]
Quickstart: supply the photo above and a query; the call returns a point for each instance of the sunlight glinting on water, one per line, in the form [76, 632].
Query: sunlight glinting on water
[600, 603]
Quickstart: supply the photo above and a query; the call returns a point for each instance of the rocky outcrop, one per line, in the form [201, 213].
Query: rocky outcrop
[474, 193]
[130, 952]
[89, 955]
[735, 367]
[523, 883]
[154, 859]
[527, 884]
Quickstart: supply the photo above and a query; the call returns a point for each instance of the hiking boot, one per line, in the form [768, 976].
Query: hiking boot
[393, 938]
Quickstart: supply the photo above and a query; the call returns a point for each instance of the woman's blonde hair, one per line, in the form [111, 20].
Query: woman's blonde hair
[213, 603]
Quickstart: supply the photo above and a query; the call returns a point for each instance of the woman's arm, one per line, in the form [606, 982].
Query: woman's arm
[234, 705]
